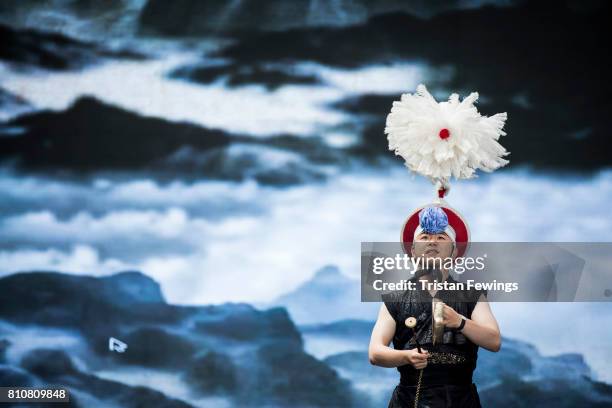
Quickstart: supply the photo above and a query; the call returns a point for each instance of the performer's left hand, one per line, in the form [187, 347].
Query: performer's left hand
[451, 319]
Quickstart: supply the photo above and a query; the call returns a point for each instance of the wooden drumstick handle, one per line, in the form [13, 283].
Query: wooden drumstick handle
[411, 324]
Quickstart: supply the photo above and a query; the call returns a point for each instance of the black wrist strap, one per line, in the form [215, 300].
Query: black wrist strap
[462, 325]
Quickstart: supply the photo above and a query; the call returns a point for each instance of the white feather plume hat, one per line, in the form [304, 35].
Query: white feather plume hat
[440, 140]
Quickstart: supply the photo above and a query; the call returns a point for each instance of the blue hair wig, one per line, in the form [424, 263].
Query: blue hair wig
[433, 220]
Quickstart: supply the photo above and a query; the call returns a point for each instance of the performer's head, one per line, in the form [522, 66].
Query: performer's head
[434, 237]
[435, 231]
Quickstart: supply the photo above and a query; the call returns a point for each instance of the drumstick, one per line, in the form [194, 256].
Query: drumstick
[411, 324]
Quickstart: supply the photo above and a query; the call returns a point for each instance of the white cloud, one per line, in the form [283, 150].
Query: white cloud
[83, 227]
[145, 89]
[255, 255]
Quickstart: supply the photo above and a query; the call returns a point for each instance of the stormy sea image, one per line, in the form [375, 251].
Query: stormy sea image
[189, 182]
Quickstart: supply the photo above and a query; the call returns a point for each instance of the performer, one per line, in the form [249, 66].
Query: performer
[436, 334]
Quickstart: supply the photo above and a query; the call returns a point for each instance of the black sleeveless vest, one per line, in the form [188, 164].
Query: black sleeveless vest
[453, 359]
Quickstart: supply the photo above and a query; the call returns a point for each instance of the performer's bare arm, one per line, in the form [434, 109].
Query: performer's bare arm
[381, 354]
[481, 328]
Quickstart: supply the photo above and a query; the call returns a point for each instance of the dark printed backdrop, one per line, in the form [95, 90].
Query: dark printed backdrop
[194, 178]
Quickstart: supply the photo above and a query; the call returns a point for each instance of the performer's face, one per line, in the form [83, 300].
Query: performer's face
[433, 246]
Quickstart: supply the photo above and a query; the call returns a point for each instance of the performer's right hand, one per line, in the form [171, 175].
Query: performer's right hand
[416, 359]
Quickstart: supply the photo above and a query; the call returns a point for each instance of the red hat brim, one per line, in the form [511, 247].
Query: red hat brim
[455, 220]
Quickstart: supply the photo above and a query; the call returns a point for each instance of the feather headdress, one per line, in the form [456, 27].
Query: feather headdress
[446, 139]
